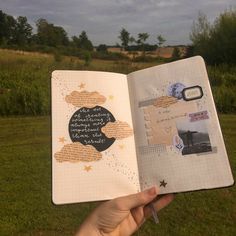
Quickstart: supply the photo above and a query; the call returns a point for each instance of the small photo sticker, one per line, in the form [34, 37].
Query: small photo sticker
[192, 93]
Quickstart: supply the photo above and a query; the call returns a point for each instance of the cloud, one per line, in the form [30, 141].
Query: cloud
[102, 20]
[76, 152]
[117, 130]
[85, 99]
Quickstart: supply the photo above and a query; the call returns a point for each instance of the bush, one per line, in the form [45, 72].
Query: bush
[115, 56]
[223, 82]
[87, 58]
[216, 42]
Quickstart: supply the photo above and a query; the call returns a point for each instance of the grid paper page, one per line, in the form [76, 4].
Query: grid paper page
[93, 150]
[178, 137]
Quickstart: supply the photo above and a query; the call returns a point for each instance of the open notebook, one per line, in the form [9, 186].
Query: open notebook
[115, 134]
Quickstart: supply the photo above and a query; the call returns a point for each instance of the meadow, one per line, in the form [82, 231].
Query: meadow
[25, 80]
[25, 183]
[25, 158]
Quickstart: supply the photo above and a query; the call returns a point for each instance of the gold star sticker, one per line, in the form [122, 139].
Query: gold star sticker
[111, 97]
[82, 85]
[121, 146]
[87, 168]
[62, 140]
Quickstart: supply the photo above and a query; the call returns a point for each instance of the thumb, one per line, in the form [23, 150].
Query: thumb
[136, 200]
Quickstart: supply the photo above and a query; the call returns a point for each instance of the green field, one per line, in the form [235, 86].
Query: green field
[25, 80]
[25, 183]
[25, 157]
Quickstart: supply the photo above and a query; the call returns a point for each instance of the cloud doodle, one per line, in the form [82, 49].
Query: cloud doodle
[76, 152]
[85, 99]
[117, 130]
[165, 101]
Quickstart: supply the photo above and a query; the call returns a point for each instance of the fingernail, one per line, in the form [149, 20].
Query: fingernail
[152, 191]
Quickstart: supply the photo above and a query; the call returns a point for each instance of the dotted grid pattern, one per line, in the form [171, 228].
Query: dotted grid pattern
[114, 175]
[188, 172]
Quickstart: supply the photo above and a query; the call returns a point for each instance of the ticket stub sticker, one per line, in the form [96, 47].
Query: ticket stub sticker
[197, 116]
[192, 93]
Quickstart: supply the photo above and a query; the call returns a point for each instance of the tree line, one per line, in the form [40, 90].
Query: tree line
[129, 43]
[216, 42]
[20, 33]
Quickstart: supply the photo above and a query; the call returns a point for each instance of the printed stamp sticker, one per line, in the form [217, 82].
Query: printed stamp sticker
[197, 116]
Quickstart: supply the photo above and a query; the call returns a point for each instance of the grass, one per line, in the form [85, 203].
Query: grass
[25, 157]
[25, 80]
[25, 190]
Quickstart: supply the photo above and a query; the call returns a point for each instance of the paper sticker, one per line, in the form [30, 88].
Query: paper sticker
[175, 90]
[192, 93]
[202, 115]
[85, 127]
[117, 130]
[178, 143]
[165, 101]
[92, 128]
[195, 136]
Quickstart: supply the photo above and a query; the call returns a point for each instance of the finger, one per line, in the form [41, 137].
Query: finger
[136, 200]
[159, 204]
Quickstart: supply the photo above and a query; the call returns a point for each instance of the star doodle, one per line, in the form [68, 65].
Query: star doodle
[62, 140]
[82, 85]
[163, 183]
[111, 97]
[121, 146]
[87, 168]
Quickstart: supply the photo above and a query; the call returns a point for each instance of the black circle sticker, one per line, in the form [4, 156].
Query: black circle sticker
[85, 127]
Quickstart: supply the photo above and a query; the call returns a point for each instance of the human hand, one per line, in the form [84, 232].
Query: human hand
[124, 215]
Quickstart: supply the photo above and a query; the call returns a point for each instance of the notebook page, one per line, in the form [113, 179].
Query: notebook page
[178, 138]
[93, 151]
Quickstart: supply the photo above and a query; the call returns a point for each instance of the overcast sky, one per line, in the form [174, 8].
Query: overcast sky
[103, 19]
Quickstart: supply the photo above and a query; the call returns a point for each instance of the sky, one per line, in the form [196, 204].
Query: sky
[103, 19]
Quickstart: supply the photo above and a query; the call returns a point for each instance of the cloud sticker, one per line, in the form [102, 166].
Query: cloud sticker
[76, 152]
[117, 130]
[85, 99]
[165, 101]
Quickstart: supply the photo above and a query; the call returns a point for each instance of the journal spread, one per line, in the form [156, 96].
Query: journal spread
[116, 134]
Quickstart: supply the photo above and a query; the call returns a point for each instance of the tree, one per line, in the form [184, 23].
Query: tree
[161, 40]
[142, 37]
[51, 35]
[200, 34]
[132, 40]
[222, 42]
[176, 54]
[23, 31]
[7, 28]
[102, 48]
[215, 42]
[82, 42]
[124, 38]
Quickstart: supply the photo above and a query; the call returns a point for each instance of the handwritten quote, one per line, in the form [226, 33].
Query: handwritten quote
[85, 127]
